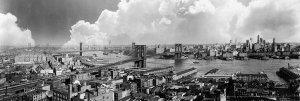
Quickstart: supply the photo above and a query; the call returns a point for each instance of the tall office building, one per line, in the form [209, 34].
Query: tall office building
[133, 45]
[247, 42]
[80, 48]
[251, 43]
[258, 38]
[274, 45]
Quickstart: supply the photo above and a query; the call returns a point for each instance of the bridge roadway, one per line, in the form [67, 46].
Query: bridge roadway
[21, 86]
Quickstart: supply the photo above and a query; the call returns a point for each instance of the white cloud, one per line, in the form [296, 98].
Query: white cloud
[11, 34]
[202, 6]
[191, 21]
[279, 19]
[87, 33]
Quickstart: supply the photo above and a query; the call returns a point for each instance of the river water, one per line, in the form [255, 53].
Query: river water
[228, 67]
[225, 67]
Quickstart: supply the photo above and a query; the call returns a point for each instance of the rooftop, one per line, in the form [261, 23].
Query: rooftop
[157, 69]
[185, 71]
[259, 75]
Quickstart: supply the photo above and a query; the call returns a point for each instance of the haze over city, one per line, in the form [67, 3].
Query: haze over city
[95, 22]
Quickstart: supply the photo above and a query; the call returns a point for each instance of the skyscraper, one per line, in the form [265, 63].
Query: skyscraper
[251, 43]
[258, 38]
[133, 45]
[80, 48]
[274, 45]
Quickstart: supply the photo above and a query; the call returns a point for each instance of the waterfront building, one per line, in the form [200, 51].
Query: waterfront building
[184, 73]
[261, 77]
[158, 71]
[287, 74]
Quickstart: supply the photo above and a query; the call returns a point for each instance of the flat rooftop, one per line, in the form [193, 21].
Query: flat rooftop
[185, 71]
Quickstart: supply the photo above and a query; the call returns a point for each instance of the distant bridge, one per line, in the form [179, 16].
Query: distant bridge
[139, 54]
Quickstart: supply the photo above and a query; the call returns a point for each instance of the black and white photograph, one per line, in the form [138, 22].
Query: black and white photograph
[149, 50]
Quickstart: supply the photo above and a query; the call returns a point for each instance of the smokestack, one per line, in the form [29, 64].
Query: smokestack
[70, 92]
[80, 48]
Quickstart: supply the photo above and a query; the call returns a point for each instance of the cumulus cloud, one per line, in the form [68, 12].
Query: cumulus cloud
[11, 34]
[87, 33]
[269, 18]
[190, 21]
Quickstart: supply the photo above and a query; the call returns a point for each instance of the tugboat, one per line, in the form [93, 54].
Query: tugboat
[196, 62]
[265, 58]
[286, 58]
[105, 53]
[229, 59]
[275, 57]
[209, 58]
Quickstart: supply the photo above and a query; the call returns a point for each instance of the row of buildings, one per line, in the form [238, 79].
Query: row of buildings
[249, 49]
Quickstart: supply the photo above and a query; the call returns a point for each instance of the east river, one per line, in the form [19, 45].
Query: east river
[225, 67]
[228, 67]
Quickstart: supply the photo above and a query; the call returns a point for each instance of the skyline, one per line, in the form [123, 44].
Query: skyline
[147, 22]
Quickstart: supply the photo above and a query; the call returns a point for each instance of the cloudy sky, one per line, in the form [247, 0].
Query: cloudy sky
[95, 22]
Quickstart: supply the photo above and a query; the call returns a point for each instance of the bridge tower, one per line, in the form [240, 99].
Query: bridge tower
[178, 51]
[140, 56]
[80, 48]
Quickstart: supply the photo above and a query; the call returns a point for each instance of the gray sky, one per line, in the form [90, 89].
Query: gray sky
[50, 20]
[68, 22]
